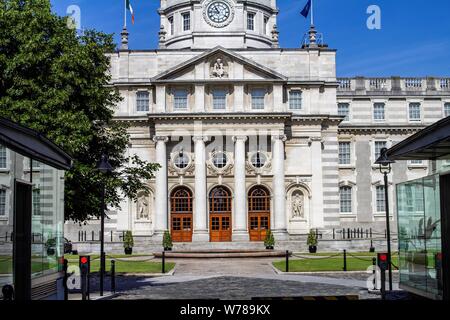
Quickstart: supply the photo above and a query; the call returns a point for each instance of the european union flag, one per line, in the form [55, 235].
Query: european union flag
[306, 9]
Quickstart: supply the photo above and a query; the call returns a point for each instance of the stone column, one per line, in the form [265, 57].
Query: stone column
[240, 232]
[279, 196]
[161, 197]
[200, 198]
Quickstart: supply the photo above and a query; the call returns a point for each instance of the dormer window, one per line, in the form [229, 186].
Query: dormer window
[180, 99]
[186, 21]
[250, 21]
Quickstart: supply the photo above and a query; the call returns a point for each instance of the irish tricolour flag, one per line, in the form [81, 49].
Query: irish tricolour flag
[130, 8]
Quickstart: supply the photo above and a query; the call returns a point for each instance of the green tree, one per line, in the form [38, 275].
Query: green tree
[57, 82]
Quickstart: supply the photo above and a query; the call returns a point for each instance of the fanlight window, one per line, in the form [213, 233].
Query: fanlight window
[259, 200]
[181, 201]
[220, 200]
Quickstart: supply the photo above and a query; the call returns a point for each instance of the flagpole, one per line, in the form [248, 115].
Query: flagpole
[125, 14]
[312, 12]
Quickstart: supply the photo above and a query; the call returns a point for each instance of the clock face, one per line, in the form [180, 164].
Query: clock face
[219, 12]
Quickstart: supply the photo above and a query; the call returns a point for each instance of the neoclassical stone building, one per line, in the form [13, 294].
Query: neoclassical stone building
[251, 136]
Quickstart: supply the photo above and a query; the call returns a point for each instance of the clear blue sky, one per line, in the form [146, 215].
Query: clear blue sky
[414, 39]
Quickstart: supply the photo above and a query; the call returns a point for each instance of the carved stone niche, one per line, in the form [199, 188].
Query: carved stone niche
[219, 67]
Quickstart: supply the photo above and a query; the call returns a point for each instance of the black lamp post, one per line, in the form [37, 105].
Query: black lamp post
[385, 169]
[104, 167]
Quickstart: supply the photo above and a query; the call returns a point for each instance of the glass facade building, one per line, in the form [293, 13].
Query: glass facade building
[420, 249]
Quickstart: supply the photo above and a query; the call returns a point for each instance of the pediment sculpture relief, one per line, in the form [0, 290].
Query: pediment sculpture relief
[219, 69]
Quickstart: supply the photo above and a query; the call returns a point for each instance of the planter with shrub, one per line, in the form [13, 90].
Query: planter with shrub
[167, 241]
[312, 242]
[269, 241]
[128, 243]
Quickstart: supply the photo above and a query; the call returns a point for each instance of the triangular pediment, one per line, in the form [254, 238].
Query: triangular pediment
[219, 64]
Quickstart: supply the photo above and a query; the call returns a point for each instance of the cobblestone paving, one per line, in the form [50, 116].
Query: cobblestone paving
[239, 279]
[236, 288]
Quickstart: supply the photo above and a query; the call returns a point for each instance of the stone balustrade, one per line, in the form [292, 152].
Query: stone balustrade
[393, 84]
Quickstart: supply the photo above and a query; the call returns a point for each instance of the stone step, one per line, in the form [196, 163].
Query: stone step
[221, 254]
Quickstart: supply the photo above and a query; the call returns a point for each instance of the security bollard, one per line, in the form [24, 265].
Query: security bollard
[113, 276]
[287, 260]
[164, 262]
[374, 263]
[66, 276]
[345, 260]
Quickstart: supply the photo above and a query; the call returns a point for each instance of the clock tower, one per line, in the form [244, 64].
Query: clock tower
[203, 24]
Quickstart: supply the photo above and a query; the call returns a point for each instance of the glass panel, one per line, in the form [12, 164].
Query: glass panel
[215, 224]
[258, 99]
[47, 220]
[142, 101]
[264, 223]
[418, 204]
[378, 111]
[295, 100]
[219, 99]
[180, 99]
[251, 21]
[225, 223]
[414, 111]
[344, 153]
[378, 146]
[254, 223]
[176, 224]
[186, 21]
[345, 194]
[344, 110]
[3, 159]
[447, 109]
[187, 224]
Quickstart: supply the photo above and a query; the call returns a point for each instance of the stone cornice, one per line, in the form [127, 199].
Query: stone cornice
[283, 116]
[407, 129]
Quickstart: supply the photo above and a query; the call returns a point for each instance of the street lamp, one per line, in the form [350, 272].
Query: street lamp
[385, 169]
[104, 167]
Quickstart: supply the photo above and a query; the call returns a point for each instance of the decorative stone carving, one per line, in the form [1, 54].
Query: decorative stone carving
[298, 202]
[226, 170]
[218, 69]
[275, 37]
[175, 171]
[143, 208]
[162, 37]
[265, 169]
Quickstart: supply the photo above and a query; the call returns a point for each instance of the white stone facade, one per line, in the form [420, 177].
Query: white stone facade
[226, 89]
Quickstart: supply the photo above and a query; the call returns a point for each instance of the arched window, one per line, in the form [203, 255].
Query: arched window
[345, 196]
[181, 201]
[220, 200]
[259, 199]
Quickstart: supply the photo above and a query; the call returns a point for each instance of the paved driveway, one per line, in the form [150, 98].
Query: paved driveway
[240, 279]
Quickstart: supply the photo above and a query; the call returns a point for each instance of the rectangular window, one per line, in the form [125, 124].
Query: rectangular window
[258, 99]
[381, 199]
[36, 202]
[219, 99]
[416, 162]
[251, 21]
[186, 21]
[295, 100]
[378, 146]
[345, 199]
[344, 110]
[344, 153]
[414, 111]
[180, 99]
[447, 109]
[266, 25]
[142, 101]
[171, 27]
[3, 160]
[378, 112]
[2, 202]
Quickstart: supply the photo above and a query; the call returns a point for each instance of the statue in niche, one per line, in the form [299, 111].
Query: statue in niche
[143, 208]
[298, 205]
[219, 69]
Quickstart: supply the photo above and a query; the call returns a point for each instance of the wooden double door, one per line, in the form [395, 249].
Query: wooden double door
[220, 223]
[259, 213]
[181, 215]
